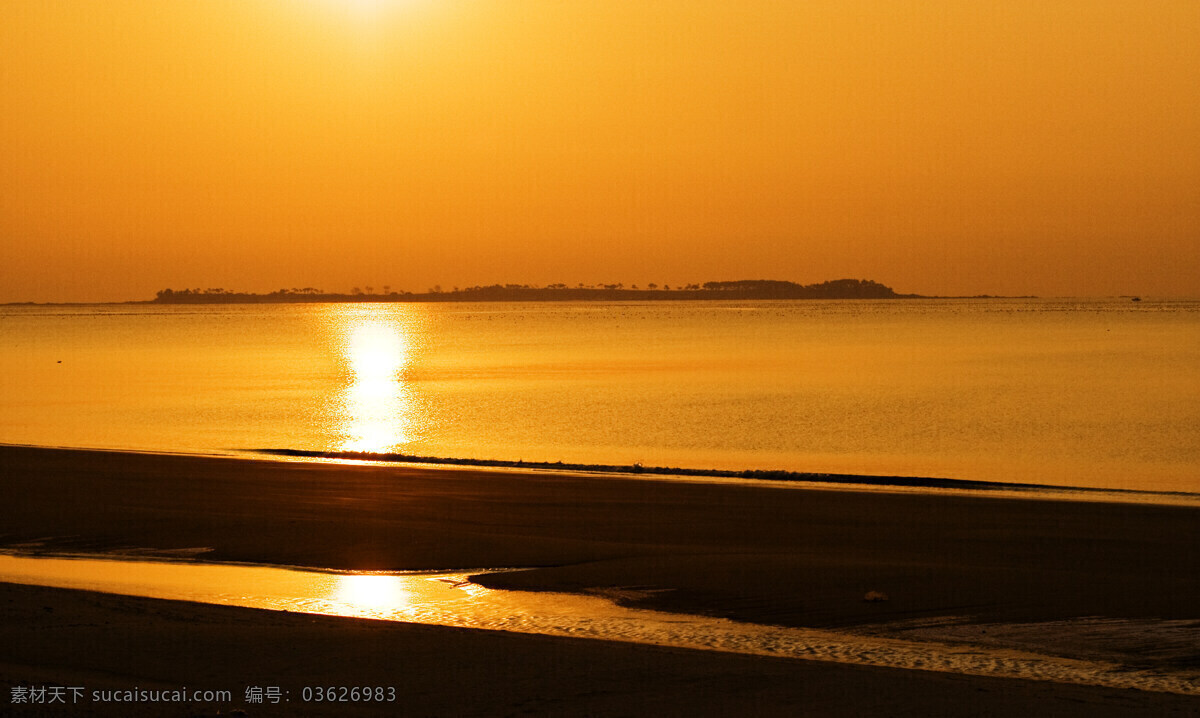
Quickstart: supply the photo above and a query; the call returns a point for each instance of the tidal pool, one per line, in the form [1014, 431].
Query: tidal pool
[451, 599]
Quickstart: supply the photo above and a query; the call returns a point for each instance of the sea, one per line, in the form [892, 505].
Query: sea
[1095, 393]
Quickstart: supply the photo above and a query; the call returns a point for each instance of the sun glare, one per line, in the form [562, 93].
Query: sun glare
[366, 7]
[377, 403]
[368, 594]
[368, 10]
[378, 407]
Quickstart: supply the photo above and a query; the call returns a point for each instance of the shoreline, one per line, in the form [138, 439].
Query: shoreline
[151, 643]
[778, 475]
[747, 552]
[778, 478]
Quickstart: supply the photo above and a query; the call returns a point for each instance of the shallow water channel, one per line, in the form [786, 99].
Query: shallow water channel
[450, 599]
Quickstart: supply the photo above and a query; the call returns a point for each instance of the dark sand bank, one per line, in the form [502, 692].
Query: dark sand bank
[797, 557]
[771, 555]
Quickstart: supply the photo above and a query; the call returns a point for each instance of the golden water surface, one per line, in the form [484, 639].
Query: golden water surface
[1092, 393]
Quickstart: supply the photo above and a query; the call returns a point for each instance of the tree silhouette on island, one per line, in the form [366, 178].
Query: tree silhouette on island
[741, 289]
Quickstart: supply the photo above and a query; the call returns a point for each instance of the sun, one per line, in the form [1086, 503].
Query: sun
[366, 6]
[370, 20]
[371, 9]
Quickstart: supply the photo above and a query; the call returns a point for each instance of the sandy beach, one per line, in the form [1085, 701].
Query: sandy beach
[780, 556]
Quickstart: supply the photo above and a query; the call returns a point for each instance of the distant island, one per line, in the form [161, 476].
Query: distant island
[742, 289]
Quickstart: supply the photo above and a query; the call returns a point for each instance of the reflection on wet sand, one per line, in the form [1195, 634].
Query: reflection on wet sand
[370, 592]
[450, 600]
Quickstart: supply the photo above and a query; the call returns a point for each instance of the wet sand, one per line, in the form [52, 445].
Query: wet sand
[787, 556]
[104, 642]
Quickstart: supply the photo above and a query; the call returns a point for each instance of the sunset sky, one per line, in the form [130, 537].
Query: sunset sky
[940, 147]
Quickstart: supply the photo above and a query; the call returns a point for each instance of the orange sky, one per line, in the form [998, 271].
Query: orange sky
[1015, 147]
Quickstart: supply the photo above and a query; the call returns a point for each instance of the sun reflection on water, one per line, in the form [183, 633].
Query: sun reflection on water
[371, 593]
[380, 412]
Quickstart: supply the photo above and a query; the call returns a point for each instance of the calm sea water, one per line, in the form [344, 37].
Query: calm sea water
[1085, 393]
